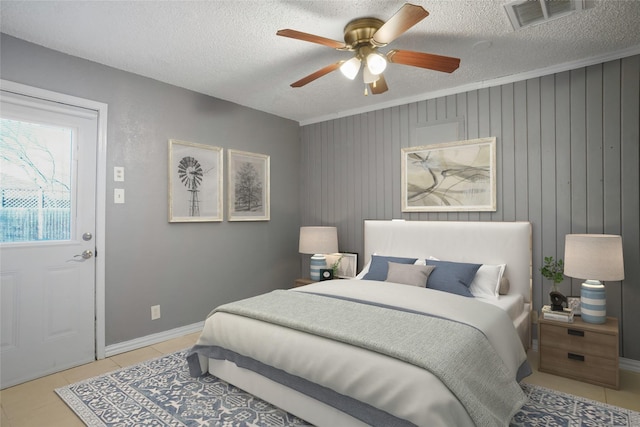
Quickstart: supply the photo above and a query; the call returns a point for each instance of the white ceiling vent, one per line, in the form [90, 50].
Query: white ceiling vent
[524, 13]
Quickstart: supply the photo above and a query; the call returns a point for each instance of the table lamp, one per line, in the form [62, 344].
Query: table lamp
[318, 241]
[593, 257]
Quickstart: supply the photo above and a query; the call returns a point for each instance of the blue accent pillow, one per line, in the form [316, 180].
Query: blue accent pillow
[453, 277]
[380, 266]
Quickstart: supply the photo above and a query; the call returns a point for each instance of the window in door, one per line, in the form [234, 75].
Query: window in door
[35, 181]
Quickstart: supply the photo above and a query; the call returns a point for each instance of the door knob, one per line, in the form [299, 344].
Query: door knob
[84, 255]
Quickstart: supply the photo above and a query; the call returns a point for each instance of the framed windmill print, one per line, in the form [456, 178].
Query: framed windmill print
[248, 184]
[455, 176]
[195, 182]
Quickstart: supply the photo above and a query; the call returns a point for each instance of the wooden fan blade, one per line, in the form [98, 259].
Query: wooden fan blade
[299, 35]
[379, 86]
[430, 61]
[405, 18]
[311, 77]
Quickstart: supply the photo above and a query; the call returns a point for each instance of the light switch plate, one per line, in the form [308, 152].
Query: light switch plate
[118, 173]
[118, 195]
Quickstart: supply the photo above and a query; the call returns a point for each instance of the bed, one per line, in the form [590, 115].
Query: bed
[365, 351]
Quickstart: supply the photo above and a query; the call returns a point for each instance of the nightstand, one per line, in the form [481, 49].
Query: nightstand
[579, 350]
[302, 282]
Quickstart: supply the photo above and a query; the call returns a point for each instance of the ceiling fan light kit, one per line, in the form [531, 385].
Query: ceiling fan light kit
[368, 77]
[351, 68]
[364, 36]
[376, 63]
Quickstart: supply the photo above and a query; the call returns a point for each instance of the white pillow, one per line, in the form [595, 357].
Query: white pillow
[486, 283]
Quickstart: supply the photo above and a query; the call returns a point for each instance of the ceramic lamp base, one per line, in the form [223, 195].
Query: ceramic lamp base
[593, 302]
[318, 262]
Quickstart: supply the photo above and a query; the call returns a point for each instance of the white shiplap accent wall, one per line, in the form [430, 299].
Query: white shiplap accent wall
[567, 161]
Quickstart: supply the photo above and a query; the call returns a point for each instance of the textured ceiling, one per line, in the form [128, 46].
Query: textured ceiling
[229, 49]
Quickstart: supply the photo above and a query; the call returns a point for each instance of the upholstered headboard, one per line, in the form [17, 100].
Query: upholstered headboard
[463, 241]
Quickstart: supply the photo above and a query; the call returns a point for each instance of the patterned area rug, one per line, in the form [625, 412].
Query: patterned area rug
[160, 392]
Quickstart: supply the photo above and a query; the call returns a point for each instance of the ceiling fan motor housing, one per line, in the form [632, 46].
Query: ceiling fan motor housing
[360, 31]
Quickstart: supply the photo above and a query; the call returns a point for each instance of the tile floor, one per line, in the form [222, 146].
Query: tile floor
[35, 404]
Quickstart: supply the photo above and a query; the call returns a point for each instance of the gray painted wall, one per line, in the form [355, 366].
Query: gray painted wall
[187, 268]
[567, 161]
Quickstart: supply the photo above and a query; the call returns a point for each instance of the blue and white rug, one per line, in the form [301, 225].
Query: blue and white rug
[161, 392]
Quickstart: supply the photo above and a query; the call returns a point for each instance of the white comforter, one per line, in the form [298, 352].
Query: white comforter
[401, 389]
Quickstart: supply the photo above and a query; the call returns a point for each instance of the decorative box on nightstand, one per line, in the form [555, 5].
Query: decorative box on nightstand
[579, 350]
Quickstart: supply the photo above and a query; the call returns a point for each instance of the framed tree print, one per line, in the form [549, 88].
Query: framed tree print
[248, 186]
[195, 182]
[454, 176]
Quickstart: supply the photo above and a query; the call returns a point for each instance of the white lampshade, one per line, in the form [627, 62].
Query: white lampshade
[376, 63]
[350, 68]
[367, 77]
[593, 256]
[318, 240]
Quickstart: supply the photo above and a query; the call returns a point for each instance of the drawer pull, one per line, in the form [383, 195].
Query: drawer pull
[574, 356]
[575, 332]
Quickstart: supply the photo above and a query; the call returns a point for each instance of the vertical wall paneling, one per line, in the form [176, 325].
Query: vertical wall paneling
[630, 176]
[534, 177]
[395, 142]
[567, 161]
[578, 153]
[548, 178]
[484, 128]
[405, 132]
[507, 199]
[358, 177]
[386, 162]
[595, 184]
[495, 129]
[341, 187]
[562, 124]
[611, 198]
[520, 147]
[611, 147]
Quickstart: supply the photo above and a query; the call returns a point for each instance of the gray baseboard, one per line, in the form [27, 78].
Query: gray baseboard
[123, 347]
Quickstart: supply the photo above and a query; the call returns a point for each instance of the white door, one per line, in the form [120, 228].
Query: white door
[47, 237]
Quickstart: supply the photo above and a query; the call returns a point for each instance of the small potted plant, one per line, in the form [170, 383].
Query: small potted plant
[336, 265]
[553, 270]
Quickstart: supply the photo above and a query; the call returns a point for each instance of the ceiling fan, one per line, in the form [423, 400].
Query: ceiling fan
[364, 36]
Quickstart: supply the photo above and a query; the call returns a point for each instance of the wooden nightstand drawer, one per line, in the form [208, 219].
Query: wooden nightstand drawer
[577, 340]
[580, 366]
[582, 351]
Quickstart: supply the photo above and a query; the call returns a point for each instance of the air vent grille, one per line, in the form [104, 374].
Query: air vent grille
[524, 13]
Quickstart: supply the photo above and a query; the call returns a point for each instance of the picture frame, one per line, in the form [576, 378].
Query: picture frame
[450, 177]
[248, 186]
[195, 182]
[347, 264]
[573, 303]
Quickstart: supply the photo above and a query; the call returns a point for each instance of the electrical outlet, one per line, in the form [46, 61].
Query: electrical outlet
[155, 312]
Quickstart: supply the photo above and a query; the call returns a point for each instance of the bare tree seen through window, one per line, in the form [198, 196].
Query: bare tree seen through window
[248, 188]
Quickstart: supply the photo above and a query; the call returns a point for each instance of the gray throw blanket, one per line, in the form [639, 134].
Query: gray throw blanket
[459, 355]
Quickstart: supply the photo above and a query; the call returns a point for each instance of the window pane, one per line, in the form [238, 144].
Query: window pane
[35, 182]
